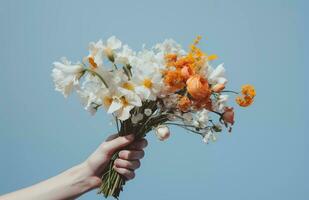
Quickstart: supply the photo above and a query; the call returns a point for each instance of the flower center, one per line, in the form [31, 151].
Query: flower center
[107, 101]
[147, 83]
[128, 86]
[92, 63]
[124, 101]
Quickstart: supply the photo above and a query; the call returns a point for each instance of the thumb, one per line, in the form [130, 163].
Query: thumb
[115, 144]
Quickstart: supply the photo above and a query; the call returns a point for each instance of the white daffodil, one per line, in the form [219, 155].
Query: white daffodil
[65, 75]
[201, 119]
[125, 55]
[111, 45]
[96, 55]
[216, 76]
[148, 86]
[146, 74]
[91, 93]
[221, 103]
[123, 103]
[207, 136]
[169, 46]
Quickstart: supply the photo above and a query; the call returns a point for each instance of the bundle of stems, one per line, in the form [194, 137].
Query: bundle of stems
[112, 181]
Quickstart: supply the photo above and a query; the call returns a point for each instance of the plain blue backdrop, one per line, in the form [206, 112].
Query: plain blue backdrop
[261, 42]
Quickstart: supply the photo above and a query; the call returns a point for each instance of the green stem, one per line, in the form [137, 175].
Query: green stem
[231, 91]
[96, 74]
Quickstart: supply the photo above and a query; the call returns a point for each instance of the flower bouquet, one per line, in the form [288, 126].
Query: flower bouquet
[151, 90]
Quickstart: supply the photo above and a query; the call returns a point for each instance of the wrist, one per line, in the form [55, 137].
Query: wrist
[82, 179]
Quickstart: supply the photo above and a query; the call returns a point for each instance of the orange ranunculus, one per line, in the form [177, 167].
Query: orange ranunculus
[203, 103]
[174, 80]
[184, 104]
[228, 115]
[198, 87]
[186, 72]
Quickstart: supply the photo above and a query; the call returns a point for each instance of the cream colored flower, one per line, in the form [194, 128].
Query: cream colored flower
[217, 75]
[201, 119]
[95, 57]
[65, 75]
[123, 103]
[111, 45]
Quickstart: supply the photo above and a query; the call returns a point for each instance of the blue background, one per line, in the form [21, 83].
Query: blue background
[261, 42]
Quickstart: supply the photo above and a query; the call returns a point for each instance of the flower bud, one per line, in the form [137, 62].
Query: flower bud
[197, 87]
[109, 54]
[218, 87]
[162, 132]
[228, 115]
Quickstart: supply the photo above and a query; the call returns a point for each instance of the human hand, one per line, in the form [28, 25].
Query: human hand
[130, 153]
[86, 176]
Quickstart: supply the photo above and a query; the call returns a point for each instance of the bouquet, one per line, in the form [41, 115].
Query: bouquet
[150, 90]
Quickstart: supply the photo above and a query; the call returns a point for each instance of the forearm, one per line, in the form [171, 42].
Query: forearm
[67, 185]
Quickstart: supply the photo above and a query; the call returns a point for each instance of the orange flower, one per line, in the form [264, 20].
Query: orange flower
[174, 80]
[248, 93]
[184, 104]
[203, 103]
[170, 59]
[186, 72]
[197, 87]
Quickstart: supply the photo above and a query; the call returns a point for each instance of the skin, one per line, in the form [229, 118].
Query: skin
[84, 177]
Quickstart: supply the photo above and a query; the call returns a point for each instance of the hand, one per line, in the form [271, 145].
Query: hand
[86, 176]
[130, 154]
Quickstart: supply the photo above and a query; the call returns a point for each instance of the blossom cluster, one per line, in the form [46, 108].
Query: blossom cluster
[164, 80]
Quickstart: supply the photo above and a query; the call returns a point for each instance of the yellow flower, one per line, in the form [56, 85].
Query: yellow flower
[248, 93]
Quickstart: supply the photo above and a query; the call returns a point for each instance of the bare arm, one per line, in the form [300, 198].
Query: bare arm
[86, 176]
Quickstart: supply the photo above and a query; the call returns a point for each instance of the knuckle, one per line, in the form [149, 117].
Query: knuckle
[138, 164]
[142, 154]
[124, 154]
[131, 175]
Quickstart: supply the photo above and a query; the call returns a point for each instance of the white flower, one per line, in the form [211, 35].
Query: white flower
[91, 93]
[96, 54]
[221, 103]
[125, 55]
[111, 45]
[162, 132]
[187, 118]
[201, 119]
[169, 46]
[147, 112]
[216, 76]
[122, 104]
[148, 86]
[146, 74]
[170, 101]
[136, 118]
[207, 136]
[65, 76]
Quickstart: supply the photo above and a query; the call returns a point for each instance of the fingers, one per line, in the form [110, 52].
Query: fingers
[132, 164]
[128, 160]
[125, 172]
[138, 145]
[131, 154]
[110, 146]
